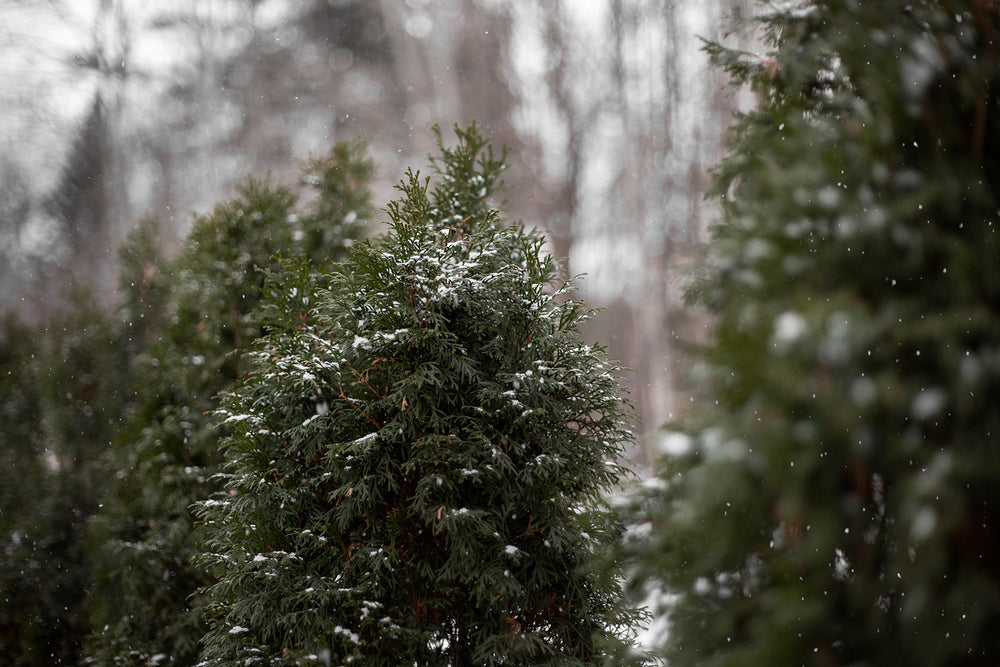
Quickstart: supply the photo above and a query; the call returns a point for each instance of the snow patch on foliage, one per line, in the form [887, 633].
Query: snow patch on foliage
[352, 636]
[788, 328]
[929, 403]
[919, 67]
[365, 439]
[673, 443]
[923, 524]
[835, 347]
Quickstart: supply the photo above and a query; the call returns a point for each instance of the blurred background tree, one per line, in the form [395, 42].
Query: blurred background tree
[165, 453]
[59, 405]
[837, 504]
[104, 435]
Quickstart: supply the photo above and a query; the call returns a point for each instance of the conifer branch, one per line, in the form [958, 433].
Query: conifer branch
[356, 407]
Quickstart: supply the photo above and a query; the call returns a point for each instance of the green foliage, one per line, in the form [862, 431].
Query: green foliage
[341, 205]
[143, 286]
[839, 505]
[164, 458]
[416, 457]
[59, 406]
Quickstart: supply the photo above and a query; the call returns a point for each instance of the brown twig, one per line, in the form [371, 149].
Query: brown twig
[355, 406]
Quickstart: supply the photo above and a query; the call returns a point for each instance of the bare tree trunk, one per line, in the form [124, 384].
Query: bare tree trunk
[655, 129]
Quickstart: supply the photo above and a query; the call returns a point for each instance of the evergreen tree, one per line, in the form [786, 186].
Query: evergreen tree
[59, 407]
[143, 287]
[417, 456]
[839, 505]
[164, 458]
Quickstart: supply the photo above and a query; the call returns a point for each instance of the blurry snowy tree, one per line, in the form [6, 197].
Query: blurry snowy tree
[164, 457]
[66, 387]
[840, 505]
[15, 204]
[417, 456]
[58, 402]
[65, 99]
[143, 287]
